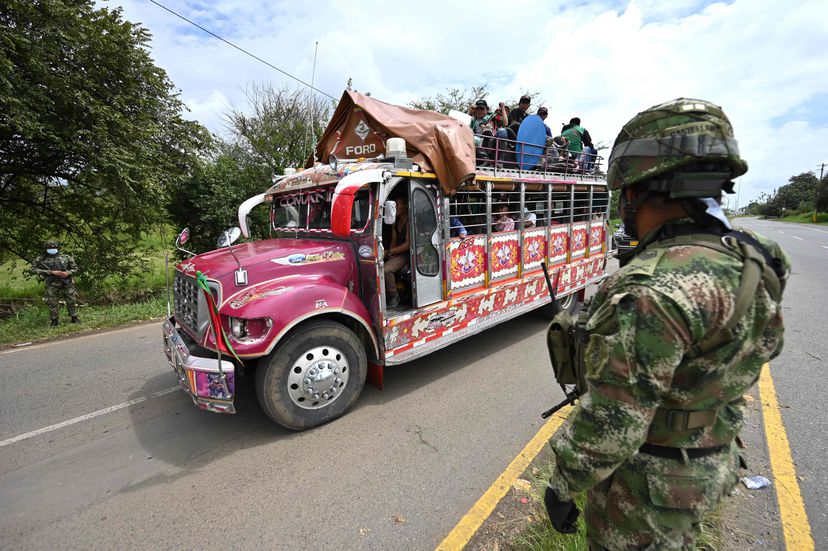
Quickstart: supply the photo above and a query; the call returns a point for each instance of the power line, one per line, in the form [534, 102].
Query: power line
[239, 48]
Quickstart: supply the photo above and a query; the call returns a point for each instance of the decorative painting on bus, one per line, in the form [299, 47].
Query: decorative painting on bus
[534, 249]
[596, 236]
[505, 257]
[573, 276]
[558, 244]
[467, 262]
[417, 328]
[579, 239]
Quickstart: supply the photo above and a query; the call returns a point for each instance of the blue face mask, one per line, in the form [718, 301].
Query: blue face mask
[51, 251]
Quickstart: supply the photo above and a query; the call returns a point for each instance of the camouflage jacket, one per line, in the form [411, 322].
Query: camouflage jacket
[643, 322]
[46, 263]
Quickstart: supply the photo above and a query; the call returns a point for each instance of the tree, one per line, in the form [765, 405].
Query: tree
[798, 194]
[91, 134]
[452, 98]
[277, 129]
[208, 200]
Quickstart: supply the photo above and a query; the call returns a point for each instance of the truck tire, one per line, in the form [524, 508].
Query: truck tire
[314, 376]
[569, 303]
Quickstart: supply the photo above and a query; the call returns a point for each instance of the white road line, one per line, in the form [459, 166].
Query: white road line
[797, 237]
[74, 338]
[824, 247]
[62, 424]
[780, 231]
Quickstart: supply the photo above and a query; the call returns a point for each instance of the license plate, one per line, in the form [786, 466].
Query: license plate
[633, 243]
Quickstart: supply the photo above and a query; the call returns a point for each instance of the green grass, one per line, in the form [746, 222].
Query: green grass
[31, 323]
[109, 302]
[821, 218]
[540, 536]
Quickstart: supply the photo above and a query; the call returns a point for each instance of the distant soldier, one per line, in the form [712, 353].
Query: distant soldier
[57, 270]
[671, 341]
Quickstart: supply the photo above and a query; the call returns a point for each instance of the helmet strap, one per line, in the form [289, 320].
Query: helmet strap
[629, 210]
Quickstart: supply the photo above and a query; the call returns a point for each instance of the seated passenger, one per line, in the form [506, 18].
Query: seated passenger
[487, 125]
[457, 227]
[543, 113]
[530, 219]
[504, 222]
[578, 137]
[397, 256]
[521, 111]
[557, 153]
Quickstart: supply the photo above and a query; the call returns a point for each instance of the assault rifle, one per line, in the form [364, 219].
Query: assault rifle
[561, 340]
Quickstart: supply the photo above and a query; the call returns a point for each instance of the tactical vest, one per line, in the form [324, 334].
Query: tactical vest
[759, 265]
[567, 338]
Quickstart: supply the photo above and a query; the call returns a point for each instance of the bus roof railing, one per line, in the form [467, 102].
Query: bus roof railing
[498, 156]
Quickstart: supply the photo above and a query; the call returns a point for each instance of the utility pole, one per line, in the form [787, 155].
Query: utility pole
[821, 170]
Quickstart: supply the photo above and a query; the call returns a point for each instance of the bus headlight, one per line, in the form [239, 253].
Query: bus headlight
[248, 331]
[238, 328]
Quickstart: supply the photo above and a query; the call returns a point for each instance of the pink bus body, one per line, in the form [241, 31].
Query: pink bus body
[321, 273]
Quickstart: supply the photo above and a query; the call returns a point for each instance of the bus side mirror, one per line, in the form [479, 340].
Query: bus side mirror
[389, 212]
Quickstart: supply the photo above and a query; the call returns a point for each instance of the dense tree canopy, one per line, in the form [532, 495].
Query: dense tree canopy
[276, 130]
[91, 134]
[803, 193]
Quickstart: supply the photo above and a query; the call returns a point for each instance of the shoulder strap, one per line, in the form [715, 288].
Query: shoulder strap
[759, 265]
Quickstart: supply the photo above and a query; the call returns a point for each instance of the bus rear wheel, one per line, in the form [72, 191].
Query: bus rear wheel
[314, 376]
[569, 303]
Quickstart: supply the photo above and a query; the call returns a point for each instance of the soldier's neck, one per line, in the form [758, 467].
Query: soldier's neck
[655, 213]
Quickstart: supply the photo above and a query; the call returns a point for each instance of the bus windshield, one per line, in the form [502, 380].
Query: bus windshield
[311, 210]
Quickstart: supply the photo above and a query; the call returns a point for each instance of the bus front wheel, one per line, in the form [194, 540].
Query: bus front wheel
[314, 376]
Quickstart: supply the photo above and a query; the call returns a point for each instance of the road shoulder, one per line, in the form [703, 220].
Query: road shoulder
[747, 520]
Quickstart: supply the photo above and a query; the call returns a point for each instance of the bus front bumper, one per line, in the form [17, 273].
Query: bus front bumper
[210, 382]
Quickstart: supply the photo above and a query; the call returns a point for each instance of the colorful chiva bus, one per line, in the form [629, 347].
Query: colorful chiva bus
[307, 308]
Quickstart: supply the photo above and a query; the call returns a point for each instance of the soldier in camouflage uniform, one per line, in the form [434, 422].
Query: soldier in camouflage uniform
[675, 338]
[57, 271]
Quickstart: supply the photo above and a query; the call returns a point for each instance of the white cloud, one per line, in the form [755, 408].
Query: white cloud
[760, 59]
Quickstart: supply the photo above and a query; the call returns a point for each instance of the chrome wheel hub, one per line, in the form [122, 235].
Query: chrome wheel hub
[318, 377]
[566, 302]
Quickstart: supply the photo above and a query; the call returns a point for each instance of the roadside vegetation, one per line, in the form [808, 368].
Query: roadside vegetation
[802, 199]
[105, 302]
[97, 155]
[807, 218]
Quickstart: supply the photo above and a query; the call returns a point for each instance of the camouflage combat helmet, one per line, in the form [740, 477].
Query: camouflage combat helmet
[684, 146]
[51, 244]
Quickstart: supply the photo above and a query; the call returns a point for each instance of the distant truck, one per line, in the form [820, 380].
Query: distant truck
[306, 308]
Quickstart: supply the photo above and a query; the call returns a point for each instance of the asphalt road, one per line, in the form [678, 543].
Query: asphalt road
[799, 372]
[397, 472]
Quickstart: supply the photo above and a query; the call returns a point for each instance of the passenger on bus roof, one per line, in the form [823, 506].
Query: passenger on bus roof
[578, 137]
[543, 113]
[396, 257]
[521, 111]
[487, 125]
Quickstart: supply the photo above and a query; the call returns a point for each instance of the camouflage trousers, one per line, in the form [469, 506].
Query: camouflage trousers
[54, 290]
[658, 504]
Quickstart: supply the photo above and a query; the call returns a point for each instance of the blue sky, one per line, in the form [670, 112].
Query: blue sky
[763, 61]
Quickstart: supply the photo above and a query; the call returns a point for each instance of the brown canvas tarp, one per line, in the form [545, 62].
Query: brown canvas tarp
[361, 125]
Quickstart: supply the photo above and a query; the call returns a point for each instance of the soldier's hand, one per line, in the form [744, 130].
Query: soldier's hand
[563, 514]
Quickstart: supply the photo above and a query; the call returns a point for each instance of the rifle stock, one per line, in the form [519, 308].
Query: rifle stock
[574, 394]
[556, 308]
